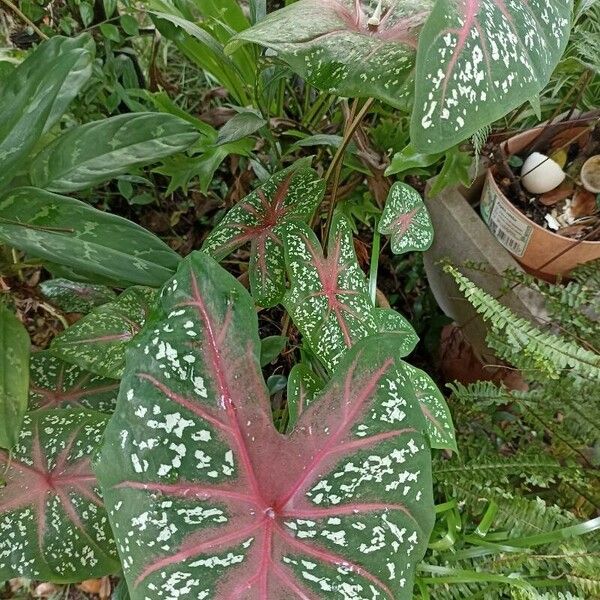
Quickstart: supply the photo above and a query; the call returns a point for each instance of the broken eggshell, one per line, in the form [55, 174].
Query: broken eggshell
[540, 174]
[590, 174]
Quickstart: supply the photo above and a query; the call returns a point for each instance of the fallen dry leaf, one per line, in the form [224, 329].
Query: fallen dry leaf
[45, 590]
[562, 192]
[584, 204]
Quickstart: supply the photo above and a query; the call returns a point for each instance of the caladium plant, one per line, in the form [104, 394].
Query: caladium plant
[406, 220]
[98, 341]
[54, 383]
[208, 500]
[475, 59]
[53, 525]
[328, 298]
[74, 296]
[260, 219]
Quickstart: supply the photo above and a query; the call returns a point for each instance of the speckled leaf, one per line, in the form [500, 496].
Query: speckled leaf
[69, 232]
[98, 341]
[478, 60]
[95, 152]
[406, 220]
[75, 297]
[260, 218]
[328, 298]
[36, 94]
[53, 525]
[388, 320]
[54, 383]
[206, 498]
[363, 48]
[302, 387]
[14, 375]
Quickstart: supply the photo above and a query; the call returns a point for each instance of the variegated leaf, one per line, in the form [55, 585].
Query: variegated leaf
[54, 383]
[479, 59]
[302, 387]
[288, 196]
[406, 220]
[98, 341]
[75, 297]
[328, 298]
[90, 154]
[53, 525]
[208, 500]
[72, 233]
[356, 48]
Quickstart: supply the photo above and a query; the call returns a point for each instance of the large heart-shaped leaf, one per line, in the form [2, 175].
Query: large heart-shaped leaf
[207, 500]
[98, 341]
[479, 59]
[35, 95]
[14, 376]
[72, 233]
[75, 297]
[54, 383]
[406, 220]
[347, 47]
[93, 153]
[53, 525]
[328, 298]
[260, 218]
[303, 386]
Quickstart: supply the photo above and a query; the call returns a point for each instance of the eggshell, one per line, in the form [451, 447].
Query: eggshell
[540, 174]
[590, 174]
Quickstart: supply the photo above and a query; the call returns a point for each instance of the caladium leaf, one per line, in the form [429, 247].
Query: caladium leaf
[328, 298]
[52, 519]
[95, 152]
[14, 375]
[36, 94]
[208, 500]
[98, 341]
[388, 320]
[75, 297]
[260, 218]
[69, 232]
[352, 48]
[478, 60]
[54, 383]
[302, 388]
[406, 220]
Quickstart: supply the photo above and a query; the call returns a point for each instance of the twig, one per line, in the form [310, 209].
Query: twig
[25, 18]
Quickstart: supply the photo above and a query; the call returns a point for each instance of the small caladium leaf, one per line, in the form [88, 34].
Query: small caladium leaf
[388, 320]
[288, 196]
[98, 342]
[478, 60]
[75, 297]
[15, 348]
[352, 48]
[54, 383]
[208, 500]
[406, 220]
[53, 523]
[328, 298]
[302, 388]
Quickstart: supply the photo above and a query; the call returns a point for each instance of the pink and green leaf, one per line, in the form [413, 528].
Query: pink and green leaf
[346, 47]
[54, 383]
[288, 196]
[406, 220]
[302, 388]
[328, 298]
[52, 520]
[208, 500]
[478, 60]
[98, 341]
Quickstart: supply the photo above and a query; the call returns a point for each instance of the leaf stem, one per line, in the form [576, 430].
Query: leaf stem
[15, 9]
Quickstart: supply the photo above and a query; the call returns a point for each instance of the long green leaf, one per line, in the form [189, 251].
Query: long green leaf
[96, 152]
[14, 376]
[72, 233]
[35, 95]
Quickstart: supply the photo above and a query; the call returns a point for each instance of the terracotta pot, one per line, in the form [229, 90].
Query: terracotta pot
[540, 251]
